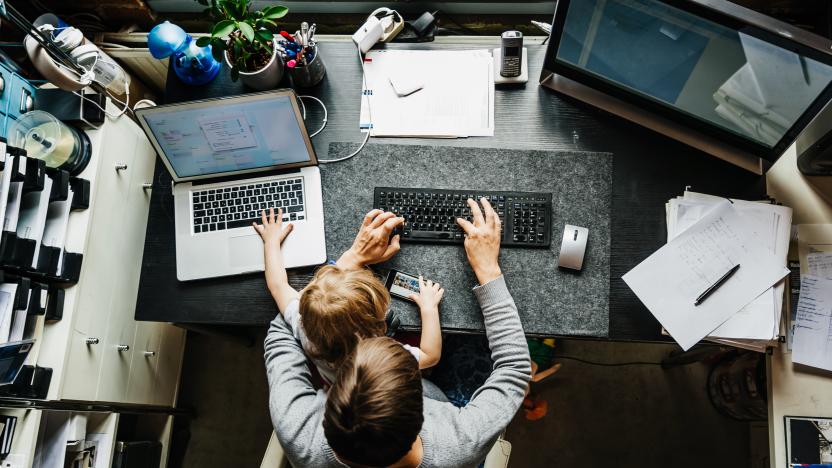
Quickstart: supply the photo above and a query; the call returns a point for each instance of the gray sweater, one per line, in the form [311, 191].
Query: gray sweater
[451, 436]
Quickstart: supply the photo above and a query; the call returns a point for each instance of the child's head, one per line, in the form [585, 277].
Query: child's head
[339, 308]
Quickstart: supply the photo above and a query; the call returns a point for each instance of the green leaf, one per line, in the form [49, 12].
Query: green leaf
[265, 35]
[275, 12]
[217, 53]
[223, 28]
[218, 43]
[247, 30]
[238, 47]
[203, 41]
[268, 22]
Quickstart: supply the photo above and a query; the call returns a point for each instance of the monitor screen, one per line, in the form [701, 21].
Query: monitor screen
[227, 136]
[722, 77]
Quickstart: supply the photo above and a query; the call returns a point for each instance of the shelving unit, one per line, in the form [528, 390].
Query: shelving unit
[77, 288]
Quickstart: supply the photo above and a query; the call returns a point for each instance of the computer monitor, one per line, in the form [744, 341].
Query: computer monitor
[712, 74]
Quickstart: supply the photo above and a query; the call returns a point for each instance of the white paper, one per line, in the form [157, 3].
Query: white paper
[813, 323]
[669, 281]
[760, 319]
[820, 264]
[456, 99]
[18, 326]
[7, 293]
[33, 208]
[5, 182]
[12, 207]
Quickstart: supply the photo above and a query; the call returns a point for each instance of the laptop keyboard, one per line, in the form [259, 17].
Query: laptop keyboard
[234, 207]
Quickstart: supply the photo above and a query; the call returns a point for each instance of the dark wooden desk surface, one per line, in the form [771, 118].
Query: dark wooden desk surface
[648, 170]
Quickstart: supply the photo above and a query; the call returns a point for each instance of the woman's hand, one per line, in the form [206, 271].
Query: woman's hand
[373, 243]
[272, 231]
[482, 241]
[429, 297]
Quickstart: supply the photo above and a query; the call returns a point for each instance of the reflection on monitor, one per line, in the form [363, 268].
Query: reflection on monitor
[720, 76]
[229, 136]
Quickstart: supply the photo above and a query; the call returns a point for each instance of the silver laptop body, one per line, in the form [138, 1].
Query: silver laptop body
[229, 159]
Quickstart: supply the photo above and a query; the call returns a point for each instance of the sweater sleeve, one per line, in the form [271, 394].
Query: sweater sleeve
[495, 403]
[294, 403]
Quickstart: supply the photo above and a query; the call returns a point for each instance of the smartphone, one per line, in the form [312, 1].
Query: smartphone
[402, 285]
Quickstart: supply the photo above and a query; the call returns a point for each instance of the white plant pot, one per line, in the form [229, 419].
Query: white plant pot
[265, 78]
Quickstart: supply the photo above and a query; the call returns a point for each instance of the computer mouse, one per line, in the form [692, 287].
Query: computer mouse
[573, 247]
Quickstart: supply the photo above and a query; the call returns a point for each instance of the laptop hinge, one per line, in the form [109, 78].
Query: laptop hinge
[243, 177]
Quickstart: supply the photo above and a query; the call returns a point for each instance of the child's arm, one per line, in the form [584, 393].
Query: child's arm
[273, 233]
[430, 344]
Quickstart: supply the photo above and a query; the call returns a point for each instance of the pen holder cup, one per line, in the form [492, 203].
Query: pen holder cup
[310, 74]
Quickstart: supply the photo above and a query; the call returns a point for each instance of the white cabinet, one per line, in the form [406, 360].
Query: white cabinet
[98, 352]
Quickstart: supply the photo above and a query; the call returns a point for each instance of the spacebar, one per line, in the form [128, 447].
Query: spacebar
[241, 223]
[431, 235]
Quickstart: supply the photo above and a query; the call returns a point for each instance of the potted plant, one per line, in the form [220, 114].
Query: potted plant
[245, 40]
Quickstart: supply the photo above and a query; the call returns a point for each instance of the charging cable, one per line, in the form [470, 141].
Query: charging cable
[369, 112]
[323, 106]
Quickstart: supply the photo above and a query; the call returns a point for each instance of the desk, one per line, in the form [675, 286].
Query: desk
[648, 170]
[794, 392]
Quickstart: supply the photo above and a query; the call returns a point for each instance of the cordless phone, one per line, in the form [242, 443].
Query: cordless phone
[512, 53]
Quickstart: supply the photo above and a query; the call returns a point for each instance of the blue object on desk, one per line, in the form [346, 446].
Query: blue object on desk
[193, 65]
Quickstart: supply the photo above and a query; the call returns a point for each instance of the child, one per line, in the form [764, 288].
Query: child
[340, 307]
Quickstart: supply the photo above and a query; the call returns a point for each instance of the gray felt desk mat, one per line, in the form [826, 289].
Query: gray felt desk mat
[550, 301]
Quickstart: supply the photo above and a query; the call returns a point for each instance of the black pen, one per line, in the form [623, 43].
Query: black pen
[716, 285]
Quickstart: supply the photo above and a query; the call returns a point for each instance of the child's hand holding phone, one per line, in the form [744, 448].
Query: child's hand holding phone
[429, 297]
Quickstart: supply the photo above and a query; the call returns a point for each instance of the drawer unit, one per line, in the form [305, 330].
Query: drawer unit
[21, 97]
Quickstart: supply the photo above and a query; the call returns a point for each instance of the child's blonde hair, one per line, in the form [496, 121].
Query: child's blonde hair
[339, 308]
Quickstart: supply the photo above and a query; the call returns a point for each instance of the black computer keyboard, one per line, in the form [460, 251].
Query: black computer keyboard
[430, 214]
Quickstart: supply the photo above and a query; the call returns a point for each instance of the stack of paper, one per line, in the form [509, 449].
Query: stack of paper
[758, 323]
[707, 236]
[455, 96]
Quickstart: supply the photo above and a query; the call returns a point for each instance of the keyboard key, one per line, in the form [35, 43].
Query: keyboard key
[431, 235]
[244, 222]
[294, 209]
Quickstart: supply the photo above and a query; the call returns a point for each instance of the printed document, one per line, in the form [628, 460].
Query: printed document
[813, 323]
[669, 281]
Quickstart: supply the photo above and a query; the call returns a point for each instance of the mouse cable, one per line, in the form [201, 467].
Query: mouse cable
[369, 111]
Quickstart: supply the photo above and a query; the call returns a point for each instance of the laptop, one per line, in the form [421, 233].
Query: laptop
[230, 158]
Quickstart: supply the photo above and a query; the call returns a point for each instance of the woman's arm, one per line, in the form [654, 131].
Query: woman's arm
[273, 233]
[430, 344]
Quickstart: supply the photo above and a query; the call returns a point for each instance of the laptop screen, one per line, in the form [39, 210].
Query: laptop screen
[225, 136]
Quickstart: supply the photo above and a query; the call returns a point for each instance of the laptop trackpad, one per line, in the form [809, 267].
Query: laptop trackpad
[245, 250]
